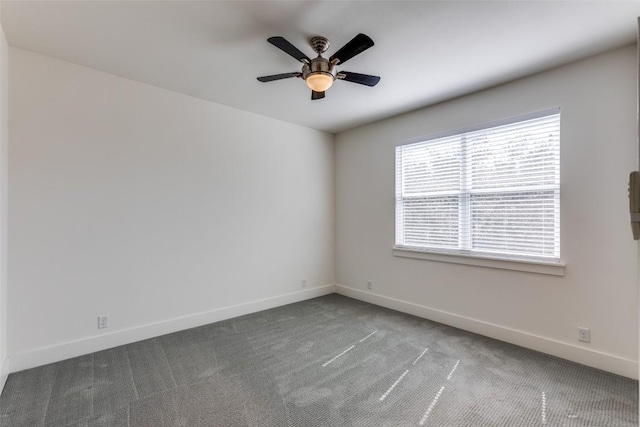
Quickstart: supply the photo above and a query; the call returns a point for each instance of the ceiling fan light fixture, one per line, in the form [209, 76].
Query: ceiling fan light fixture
[319, 81]
[319, 73]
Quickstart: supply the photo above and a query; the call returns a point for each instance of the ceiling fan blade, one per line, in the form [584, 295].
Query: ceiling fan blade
[316, 95]
[363, 79]
[357, 45]
[273, 77]
[282, 44]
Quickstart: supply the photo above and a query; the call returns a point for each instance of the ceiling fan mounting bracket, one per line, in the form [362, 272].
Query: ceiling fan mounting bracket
[319, 44]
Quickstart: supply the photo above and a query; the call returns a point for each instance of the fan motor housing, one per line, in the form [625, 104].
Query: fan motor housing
[319, 65]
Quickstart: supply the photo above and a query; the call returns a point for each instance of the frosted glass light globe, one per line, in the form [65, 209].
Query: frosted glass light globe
[319, 81]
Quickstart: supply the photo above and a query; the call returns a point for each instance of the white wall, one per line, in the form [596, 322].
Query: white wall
[165, 211]
[4, 146]
[598, 149]
[161, 210]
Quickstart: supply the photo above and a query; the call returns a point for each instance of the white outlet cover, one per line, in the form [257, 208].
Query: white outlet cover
[584, 335]
[103, 322]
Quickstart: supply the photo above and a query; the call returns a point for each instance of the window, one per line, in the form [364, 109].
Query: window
[492, 191]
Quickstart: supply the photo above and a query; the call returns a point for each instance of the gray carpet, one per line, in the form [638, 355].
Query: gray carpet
[330, 361]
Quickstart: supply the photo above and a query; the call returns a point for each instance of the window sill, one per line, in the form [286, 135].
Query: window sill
[540, 267]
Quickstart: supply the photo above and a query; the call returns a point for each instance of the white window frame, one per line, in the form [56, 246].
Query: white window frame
[463, 255]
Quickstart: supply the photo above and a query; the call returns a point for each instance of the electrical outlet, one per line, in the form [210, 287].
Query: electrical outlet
[584, 335]
[103, 322]
[304, 283]
[369, 284]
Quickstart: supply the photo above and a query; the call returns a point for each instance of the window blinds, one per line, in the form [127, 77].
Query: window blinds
[493, 191]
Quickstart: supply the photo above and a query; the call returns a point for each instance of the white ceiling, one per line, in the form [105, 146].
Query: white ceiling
[425, 52]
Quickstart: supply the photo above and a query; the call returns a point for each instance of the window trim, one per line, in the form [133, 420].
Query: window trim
[486, 125]
[515, 264]
[501, 261]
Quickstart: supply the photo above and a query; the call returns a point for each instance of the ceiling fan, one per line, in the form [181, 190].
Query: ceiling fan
[320, 73]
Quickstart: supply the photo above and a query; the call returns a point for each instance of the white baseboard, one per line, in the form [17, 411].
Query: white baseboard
[66, 350]
[4, 373]
[595, 359]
